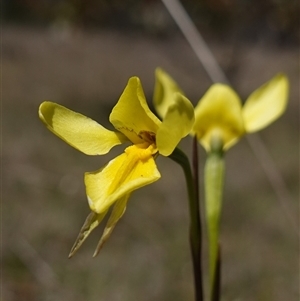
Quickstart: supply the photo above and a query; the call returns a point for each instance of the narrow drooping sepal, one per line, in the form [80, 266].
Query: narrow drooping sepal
[79, 131]
[92, 221]
[116, 214]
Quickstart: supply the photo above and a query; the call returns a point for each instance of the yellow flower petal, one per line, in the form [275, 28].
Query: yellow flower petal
[131, 114]
[117, 213]
[79, 131]
[219, 113]
[92, 221]
[266, 104]
[178, 122]
[133, 169]
[164, 89]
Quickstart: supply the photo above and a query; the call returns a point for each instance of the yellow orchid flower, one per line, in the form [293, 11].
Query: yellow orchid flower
[220, 113]
[220, 121]
[136, 167]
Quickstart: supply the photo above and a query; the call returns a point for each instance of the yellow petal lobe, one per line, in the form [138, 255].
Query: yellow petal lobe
[77, 130]
[178, 122]
[131, 114]
[131, 170]
[164, 90]
[266, 104]
[219, 113]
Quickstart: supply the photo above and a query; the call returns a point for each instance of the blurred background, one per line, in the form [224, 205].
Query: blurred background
[81, 54]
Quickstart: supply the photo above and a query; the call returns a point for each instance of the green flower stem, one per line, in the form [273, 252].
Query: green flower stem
[214, 180]
[195, 224]
[216, 290]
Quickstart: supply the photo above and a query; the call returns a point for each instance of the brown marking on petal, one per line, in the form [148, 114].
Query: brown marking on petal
[147, 136]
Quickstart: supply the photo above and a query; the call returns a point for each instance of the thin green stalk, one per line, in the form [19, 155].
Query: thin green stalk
[214, 180]
[195, 224]
[216, 290]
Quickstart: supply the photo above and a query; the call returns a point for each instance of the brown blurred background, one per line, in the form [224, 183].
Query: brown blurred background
[81, 54]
